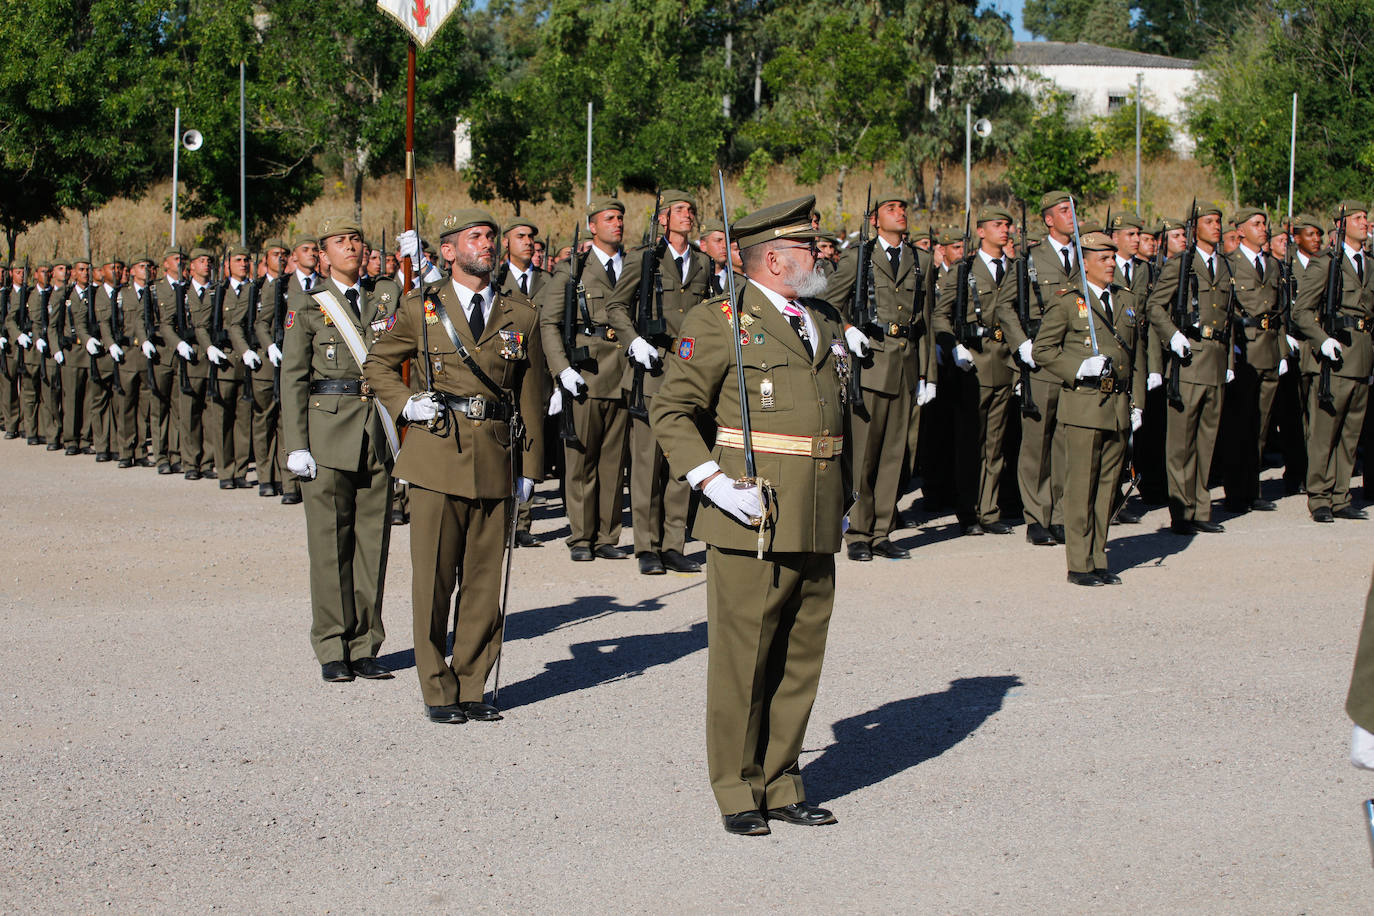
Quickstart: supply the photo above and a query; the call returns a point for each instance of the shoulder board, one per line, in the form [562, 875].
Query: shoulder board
[517, 300]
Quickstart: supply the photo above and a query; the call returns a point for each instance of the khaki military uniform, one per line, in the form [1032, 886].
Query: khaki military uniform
[1094, 423]
[900, 356]
[165, 406]
[1147, 445]
[125, 329]
[254, 332]
[1250, 399]
[63, 335]
[295, 298]
[1359, 703]
[1334, 431]
[348, 503]
[101, 388]
[595, 471]
[460, 483]
[767, 619]
[55, 392]
[35, 411]
[1192, 428]
[230, 427]
[538, 376]
[190, 403]
[983, 393]
[9, 380]
[658, 501]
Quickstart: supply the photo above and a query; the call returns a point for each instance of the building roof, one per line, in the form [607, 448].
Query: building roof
[1081, 53]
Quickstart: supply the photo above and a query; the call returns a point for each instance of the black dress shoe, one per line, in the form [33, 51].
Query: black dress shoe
[1182, 526]
[1037, 535]
[192, 474]
[72, 450]
[142, 463]
[997, 528]
[336, 672]
[176, 467]
[650, 564]
[525, 539]
[611, 552]
[480, 712]
[291, 499]
[801, 814]
[1208, 527]
[674, 560]
[1084, 578]
[746, 823]
[241, 483]
[1264, 505]
[54, 446]
[265, 489]
[226, 485]
[32, 440]
[87, 450]
[11, 434]
[164, 469]
[971, 529]
[1127, 517]
[889, 551]
[581, 554]
[398, 517]
[1108, 578]
[1323, 514]
[103, 456]
[446, 715]
[1351, 513]
[1057, 532]
[370, 668]
[860, 552]
[126, 463]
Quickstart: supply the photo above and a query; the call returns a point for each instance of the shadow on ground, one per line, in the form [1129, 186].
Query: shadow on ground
[879, 744]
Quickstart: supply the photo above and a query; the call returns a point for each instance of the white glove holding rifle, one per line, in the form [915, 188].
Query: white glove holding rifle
[408, 246]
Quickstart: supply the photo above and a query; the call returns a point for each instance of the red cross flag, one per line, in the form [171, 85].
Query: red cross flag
[421, 18]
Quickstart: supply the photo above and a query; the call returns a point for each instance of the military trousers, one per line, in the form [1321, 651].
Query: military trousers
[164, 406]
[767, 622]
[192, 412]
[1040, 463]
[1093, 469]
[1359, 703]
[980, 425]
[1291, 429]
[34, 405]
[231, 427]
[290, 483]
[1189, 443]
[52, 429]
[133, 378]
[9, 393]
[1332, 436]
[658, 500]
[1244, 427]
[456, 544]
[75, 423]
[596, 471]
[880, 445]
[348, 530]
[265, 423]
[101, 393]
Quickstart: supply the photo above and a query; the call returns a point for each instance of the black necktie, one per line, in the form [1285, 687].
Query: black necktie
[997, 271]
[678, 262]
[1211, 271]
[894, 257]
[475, 320]
[1359, 267]
[352, 296]
[308, 282]
[524, 285]
[1126, 269]
[610, 270]
[1259, 266]
[1068, 268]
[1107, 304]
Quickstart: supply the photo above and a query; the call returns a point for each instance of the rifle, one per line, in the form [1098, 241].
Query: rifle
[279, 331]
[574, 295]
[1331, 306]
[40, 326]
[22, 319]
[1288, 287]
[149, 332]
[92, 323]
[181, 323]
[217, 335]
[250, 336]
[965, 285]
[1184, 309]
[864, 308]
[649, 322]
[119, 337]
[1023, 281]
[4, 316]
[54, 376]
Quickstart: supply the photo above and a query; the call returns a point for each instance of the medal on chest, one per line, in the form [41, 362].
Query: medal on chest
[512, 344]
[841, 358]
[766, 394]
[431, 316]
[329, 352]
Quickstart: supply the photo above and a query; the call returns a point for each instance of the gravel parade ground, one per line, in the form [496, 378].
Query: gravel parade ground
[992, 739]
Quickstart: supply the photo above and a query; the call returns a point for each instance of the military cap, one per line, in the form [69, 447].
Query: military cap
[988, 214]
[236, 250]
[1155, 228]
[604, 203]
[62, 262]
[1209, 210]
[886, 196]
[1035, 234]
[202, 253]
[459, 220]
[521, 221]
[274, 243]
[302, 240]
[1096, 241]
[43, 265]
[1349, 207]
[1245, 214]
[175, 251]
[140, 258]
[790, 220]
[1053, 199]
[338, 225]
[949, 235]
[673, 195]
[1125, 220]
[1090, 225]
[919, 234]
[1308, 221]
[708, 226]
[113, 259]
[1170, 223]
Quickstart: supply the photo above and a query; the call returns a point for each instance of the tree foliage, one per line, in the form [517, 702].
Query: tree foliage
[1058, 152]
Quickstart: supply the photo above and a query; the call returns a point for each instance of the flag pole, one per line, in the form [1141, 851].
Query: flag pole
[408, 268]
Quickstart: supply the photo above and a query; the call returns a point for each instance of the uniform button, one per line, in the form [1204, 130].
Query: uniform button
[823, 465]
[825, 432]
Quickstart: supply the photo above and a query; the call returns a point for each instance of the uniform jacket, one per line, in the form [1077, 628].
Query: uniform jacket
[331, 426]
[991, 355]
[1210, 356]
[607, 368]
[1357, 304]
[474, 460]
[1142, 279]
[1064, 342]
[131, 342]
[167, 301]
[1257, 302]
[679, 296]
[807, 399]
[894, 362]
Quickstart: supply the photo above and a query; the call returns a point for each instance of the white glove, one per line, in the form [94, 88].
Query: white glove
[149, 350]
[4, 341]
[643, 352]
[556, 402]
[857, 341]
[24, 341]
[925, 392]
[1331, 349]
[1293, 343]
[524, 489]
[962, 357]
[1092, 367]
[1024, 351]
[1230, 376]
[408, 244]
[1179, 344]
[41, 345]
[572, 380]
[217, 356]
[1362, 749]
[184, 349]
[421, 408]
[1137, 418]
[117, 352]
[744, 505]
[92, 346]
[59, 357]
[1283, 367]
[274, 354]
[301, 463]
[251, 359]
[1153, 381]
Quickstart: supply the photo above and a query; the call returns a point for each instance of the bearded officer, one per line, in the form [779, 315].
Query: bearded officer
[767, 618]
[338, 443]
[481, 349]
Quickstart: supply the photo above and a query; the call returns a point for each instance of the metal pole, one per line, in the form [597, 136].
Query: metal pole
[968, 158]
[407, 266]
[243, 169]
[176, 161]
[589, 155]
[1292, 156]
[1139, 79]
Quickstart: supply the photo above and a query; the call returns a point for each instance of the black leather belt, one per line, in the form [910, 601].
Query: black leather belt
[1263, 322]
[475, 408]
[604, 331]
[1107, 384]
[355, 387]
[1358, 324]
[901, 331]
[973, 329]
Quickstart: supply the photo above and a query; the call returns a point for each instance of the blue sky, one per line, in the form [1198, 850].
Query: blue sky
[1012, 8]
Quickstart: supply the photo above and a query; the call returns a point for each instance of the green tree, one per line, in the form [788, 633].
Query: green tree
[1059, 152]
[1117, 131]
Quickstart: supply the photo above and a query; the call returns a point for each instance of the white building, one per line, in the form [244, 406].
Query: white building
[1102, 79]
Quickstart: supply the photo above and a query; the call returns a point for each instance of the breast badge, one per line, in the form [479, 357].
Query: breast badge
[512, 344]
[766, 394]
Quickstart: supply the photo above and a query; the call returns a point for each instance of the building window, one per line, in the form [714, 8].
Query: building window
[1115, 102]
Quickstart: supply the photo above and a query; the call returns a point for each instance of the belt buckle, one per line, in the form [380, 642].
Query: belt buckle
[823, 446]
[1107, 385]
[610, 333]
[893, 329]
[997, 334]
[366, 389]
[477, 407]
[1264, 323]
